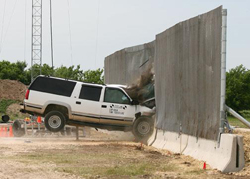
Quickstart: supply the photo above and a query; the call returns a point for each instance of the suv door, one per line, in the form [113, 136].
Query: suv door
[87, 106]
[116, 108]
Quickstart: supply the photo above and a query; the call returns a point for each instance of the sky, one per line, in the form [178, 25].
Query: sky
[85, 32]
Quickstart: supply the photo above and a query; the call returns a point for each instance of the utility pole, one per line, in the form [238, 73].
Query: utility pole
[36, 44]
[51, 36]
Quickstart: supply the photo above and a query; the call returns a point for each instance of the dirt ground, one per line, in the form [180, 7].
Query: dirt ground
[11, 89]
[98, 155]
[246, 141]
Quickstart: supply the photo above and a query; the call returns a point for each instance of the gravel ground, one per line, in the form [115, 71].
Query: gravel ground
[100, 155]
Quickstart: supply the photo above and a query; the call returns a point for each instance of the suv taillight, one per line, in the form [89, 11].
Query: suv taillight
[27, 94]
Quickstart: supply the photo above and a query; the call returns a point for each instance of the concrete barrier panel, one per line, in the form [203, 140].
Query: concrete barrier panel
[127, 65]
[187, 76]
[226, 157]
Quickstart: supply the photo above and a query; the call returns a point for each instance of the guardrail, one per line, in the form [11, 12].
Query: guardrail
[235, 114]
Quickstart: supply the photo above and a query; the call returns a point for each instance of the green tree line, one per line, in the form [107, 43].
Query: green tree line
[19, 71]
[237, 82]
[238, 90]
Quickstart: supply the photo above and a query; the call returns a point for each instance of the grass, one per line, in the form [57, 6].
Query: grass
[89, 163]
[4, 103]
[235, 122]
[195, 172]
[122, 170]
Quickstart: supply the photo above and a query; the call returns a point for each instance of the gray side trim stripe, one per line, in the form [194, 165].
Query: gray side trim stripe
[34, 107]
[101, 117]
[74, 114]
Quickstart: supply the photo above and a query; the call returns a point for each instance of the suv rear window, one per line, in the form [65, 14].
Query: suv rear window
[92, 93]
[53, 86]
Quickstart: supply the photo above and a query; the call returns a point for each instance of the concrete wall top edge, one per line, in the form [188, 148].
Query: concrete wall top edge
[188, 20]
[132, 49]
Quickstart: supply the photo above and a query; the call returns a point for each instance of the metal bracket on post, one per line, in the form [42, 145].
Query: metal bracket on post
[228, 126]
[77, 133]
[223, 73]
[25, 126]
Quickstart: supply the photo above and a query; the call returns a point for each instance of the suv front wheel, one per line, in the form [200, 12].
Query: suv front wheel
[54, 121]
[143, 128]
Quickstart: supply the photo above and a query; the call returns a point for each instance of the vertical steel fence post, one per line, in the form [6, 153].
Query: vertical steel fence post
[223, 72]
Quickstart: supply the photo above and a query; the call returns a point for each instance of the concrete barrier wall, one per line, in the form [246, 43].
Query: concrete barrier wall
[187, 65]
[187, 76]
[126, 66]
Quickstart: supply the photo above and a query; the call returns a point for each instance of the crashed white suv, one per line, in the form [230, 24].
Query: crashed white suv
[70, 102]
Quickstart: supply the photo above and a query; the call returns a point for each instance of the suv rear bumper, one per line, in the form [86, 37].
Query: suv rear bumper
[30, 109]
[22, 108]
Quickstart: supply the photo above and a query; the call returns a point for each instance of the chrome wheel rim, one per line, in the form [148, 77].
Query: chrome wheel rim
[54, 121]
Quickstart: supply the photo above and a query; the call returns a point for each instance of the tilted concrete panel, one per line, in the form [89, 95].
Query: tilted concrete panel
[126, 66]
[187, 76]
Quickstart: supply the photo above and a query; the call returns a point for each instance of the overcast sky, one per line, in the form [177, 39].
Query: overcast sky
[120, 24]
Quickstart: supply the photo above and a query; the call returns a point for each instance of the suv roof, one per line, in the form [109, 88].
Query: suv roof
[116, 85]
[94, 84]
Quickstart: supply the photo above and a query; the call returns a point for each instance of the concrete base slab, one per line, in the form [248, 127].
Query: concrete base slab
[152, 138]
[227, 157]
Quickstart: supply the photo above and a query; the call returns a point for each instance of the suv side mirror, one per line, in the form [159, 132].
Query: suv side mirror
[133, 102]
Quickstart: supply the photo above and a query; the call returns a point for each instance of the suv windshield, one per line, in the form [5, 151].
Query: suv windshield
[113, 95]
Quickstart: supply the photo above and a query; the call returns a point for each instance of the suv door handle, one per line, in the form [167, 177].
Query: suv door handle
[104, 106]
[78, 102]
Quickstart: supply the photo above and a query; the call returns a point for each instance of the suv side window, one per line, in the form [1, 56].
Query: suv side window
[89, 92]
[113, 95]
[53, 86]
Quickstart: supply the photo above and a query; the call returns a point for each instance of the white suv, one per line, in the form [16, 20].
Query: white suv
[70, 102]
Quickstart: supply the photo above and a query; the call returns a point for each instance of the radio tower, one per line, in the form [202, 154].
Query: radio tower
[36, 54]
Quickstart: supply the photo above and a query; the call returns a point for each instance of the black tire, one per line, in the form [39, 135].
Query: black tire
[54, 121]
[5, 118]
[143, 128]
[18, 131]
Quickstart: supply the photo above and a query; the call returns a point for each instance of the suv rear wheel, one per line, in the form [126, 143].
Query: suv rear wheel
[54, 121]
[143, 128]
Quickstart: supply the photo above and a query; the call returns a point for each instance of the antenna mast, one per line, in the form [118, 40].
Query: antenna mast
[36, 54]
